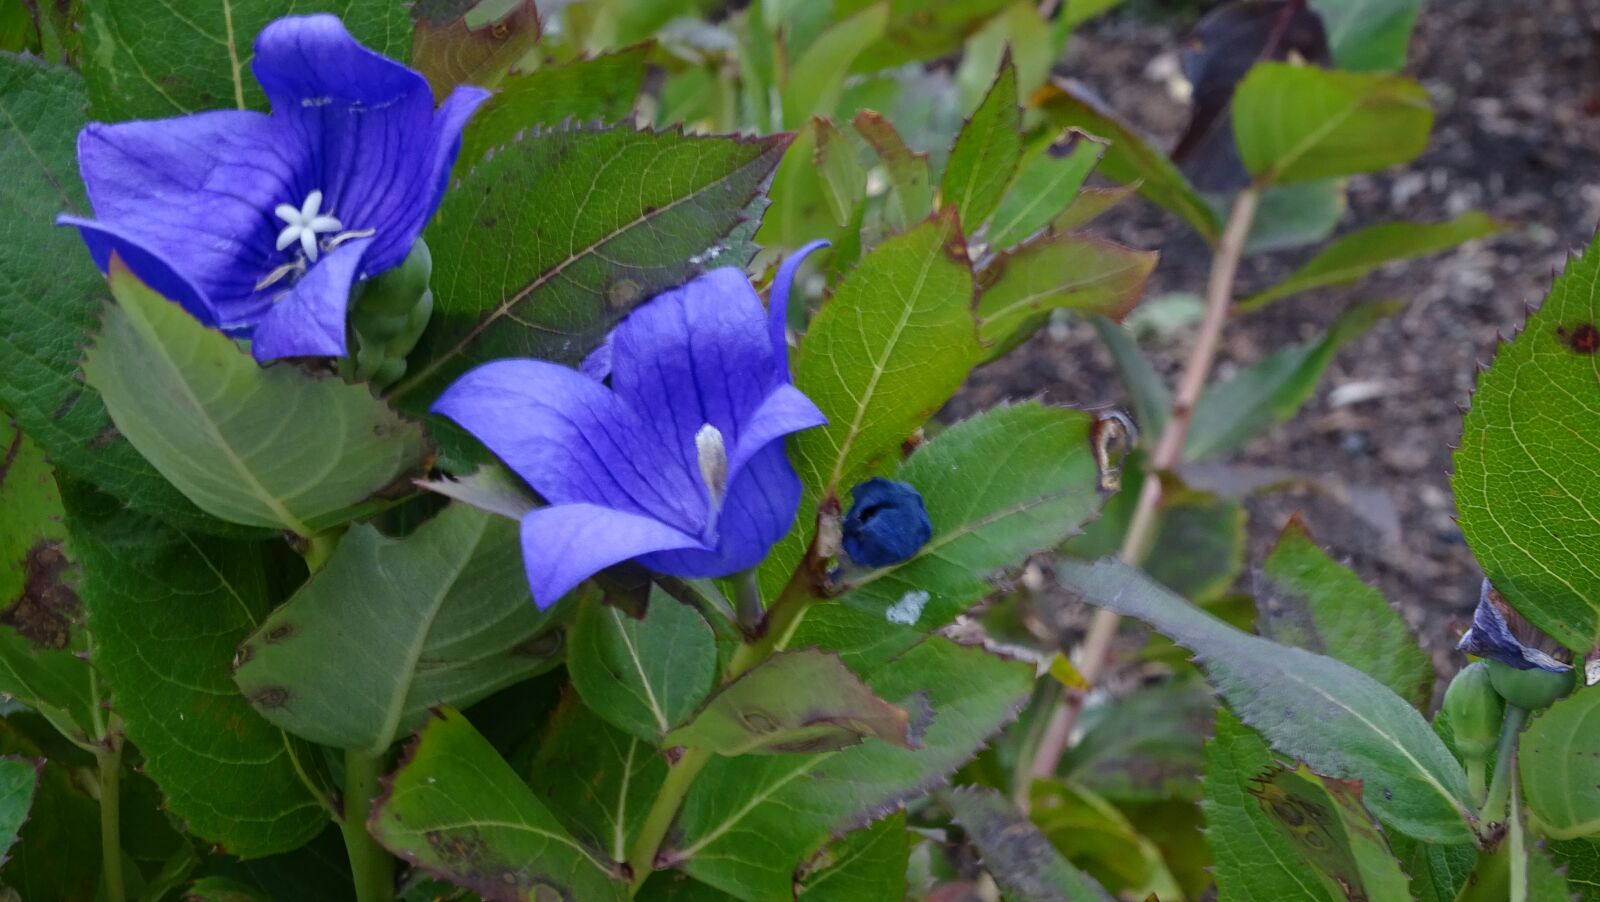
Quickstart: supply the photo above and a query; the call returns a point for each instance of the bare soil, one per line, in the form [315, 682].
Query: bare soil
[1516, 89]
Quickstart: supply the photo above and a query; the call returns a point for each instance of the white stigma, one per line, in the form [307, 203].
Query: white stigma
[305, 224]
[713, 457]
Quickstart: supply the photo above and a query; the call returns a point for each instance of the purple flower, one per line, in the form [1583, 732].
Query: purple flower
[679, 463]
[1501, 634]
[259, 224]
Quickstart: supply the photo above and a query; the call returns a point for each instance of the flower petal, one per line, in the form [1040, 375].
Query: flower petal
[759, 509]
[105, 240]
[572, 440]
[695, 355]
[309, 319]
[198, 192]
[383, 155]
[778, 302]
[785, 410]
[566, 544]
[1491, 637]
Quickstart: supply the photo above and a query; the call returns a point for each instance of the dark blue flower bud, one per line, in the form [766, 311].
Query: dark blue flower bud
[1520, 665]
[887, 523]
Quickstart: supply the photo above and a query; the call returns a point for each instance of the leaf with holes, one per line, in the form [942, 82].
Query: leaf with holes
[600, 89]
[1520, 483]
[1362, 251]
[986, 152]
[388, 628]
[50, 295]
[642, 675]
[167, 610]
[149, 59]
[748, 821]
[623, 214]
[1301, 123]
[455, 808]
[1309, 600]
[1030, 483]
[893, 344]
[1016, 854]
[1325, 712]
[761, 713]
[273, 447]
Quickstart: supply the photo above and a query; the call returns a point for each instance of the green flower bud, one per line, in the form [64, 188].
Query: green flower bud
[389, 316]
[1475, 711]
[1532, 689]
[395, 292]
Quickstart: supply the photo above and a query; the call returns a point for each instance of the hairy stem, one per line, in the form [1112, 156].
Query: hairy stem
[1505, 755]
[1169, 450]
[108, 760]
[371, 866]
[771, 636]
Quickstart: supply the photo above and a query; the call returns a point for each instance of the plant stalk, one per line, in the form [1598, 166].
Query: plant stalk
[108, 761]
[371, 866]
[1169, 451]
[747, 585]
[1505, 755]
[771, 636]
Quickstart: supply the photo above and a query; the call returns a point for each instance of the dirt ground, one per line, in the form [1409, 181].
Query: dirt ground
[1517, 135]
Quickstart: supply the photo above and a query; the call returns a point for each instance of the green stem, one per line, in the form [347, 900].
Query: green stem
[783, 620]
[109, 762]
[371, 866]
[1478, 780]
[320, 547]
[1494, 807]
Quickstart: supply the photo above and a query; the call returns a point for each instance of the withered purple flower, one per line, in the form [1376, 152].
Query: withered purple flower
[1501, 634]
[260, 224]
[679, 463]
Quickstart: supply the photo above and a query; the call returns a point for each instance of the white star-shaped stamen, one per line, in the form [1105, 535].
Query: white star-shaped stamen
[305, 224]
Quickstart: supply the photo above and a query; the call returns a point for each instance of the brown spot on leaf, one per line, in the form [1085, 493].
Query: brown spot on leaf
[48, 607]
[270, 697]
[1581, 339]
[11, 454]
[278, 633]
[542, 646]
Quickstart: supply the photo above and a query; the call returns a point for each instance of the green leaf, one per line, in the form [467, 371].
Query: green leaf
[272, 447]
[167, 610]
[42, 649]
[1048, 178]
[388, 628]
[816, 78]
[1018, 856]
[1252, 857]
[19, 780]
[1199, 545]
[1089, 204]
[1368, 35]
[1023, 30]
[921, 29]
[910, 182]
[1437, 872]
[50, 294]
[869, 863]
[1560, 772]
[1519, 494]
[1311, 601]
[57, 855]
[667, 204]
[476, 44]
[1364, 250]
[761, 713]
[1273, 389]
[1294, 215]
[804, 204]
[1146, 747]
[1334, 717]
[748, 821]
[588, 90]
[986, 152]
[598, 780]
[844, 181]
[1130, 158]
[1096, 838]
[456, 809]
[887, 350]
[1151, 400]
[1039, 485]
[1331, 832]
[1302, 123]
[1580, 859]
[148, 59]
[644, 676]
[1020, 287]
